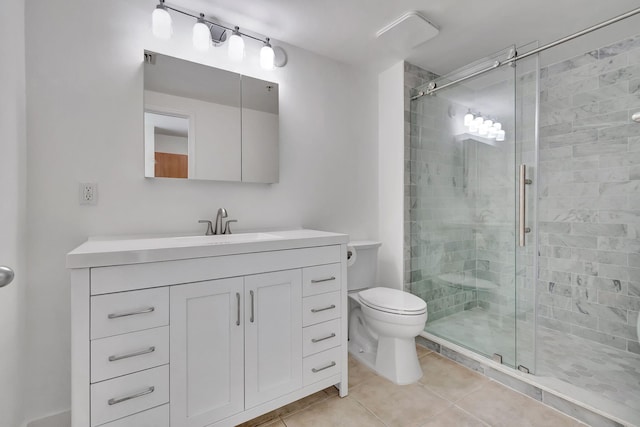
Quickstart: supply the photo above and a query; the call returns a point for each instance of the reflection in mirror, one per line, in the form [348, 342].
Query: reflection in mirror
[260, 155]
[229, 123]
[210, 99]
[167, 144]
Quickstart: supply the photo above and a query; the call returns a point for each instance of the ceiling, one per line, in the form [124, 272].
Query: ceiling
[345, 29]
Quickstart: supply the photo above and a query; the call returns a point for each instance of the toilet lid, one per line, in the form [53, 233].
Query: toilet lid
[392, 301]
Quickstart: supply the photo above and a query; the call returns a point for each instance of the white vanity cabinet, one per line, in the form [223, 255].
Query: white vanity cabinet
[205, 334]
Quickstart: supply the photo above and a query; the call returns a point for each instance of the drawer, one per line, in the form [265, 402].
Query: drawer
[156, 417]
[123, 354]
[321, 365]
[320, 308]
[119, 397]
[321, 337]
[321, 279]
[123, 312]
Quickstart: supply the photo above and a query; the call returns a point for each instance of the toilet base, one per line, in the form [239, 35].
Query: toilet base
[395, 359]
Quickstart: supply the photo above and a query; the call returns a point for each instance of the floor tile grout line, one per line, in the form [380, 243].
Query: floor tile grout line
[369, 411]
[474, 416]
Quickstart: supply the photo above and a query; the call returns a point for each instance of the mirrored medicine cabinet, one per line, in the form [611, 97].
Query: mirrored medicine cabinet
[206, 123]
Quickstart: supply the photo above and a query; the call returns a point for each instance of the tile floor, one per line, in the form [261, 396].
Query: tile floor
[610, 373]
[448, 395]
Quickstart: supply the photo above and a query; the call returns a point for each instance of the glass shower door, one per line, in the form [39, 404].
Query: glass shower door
[463, 208]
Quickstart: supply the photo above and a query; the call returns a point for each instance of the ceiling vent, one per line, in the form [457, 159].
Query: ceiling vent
[407, 32]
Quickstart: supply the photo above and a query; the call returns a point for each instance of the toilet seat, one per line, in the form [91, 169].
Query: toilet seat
[392, 301]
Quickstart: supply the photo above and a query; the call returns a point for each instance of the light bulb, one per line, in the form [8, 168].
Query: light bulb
[474, 126]
[500, 135]
[468, 118]
[488, 123]
[267, 56]
[236, 46]
[479, 120]
[201, 35]
[497, 126]
[161, 24]
[483, 130]
[492, 133]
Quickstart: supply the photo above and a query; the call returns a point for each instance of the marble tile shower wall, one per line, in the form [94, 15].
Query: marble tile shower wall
[589, 196]
[434, 195]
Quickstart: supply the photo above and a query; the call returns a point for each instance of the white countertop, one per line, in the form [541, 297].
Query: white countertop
[105, 251]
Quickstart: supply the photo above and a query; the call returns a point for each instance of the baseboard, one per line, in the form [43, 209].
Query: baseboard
[63, 419]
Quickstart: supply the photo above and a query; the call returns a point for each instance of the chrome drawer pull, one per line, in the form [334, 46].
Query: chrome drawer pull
[330, 365]
[117, 400]
[132, 313]
[137, 353]
[315, 340]
[328, 279]
[317, 310]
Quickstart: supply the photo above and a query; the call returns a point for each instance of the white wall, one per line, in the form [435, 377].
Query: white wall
[391, 175]
[84, 74]
[12, 226]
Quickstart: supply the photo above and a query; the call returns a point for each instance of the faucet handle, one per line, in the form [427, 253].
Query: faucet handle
[227, 227]
[209, 231]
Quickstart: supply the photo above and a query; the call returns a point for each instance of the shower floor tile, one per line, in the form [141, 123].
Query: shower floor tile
[608, 372]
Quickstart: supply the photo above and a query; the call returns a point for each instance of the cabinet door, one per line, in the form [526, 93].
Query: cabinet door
[207, 354]
[273, 335]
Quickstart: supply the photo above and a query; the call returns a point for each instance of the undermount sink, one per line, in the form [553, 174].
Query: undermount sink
[222, 239]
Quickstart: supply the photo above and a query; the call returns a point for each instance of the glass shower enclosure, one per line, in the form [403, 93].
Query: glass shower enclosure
[524, 238]
[471, 252]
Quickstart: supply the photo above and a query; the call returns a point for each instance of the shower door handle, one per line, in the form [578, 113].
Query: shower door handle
[523, 182]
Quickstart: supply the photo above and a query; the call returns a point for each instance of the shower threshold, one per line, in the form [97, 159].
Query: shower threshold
[587, 406]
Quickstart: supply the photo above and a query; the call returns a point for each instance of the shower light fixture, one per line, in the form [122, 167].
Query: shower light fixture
[487, 128]
[468, 118]
[206, 33]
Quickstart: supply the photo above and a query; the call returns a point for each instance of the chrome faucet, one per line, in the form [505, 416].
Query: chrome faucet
[219, 227]
[222, 213]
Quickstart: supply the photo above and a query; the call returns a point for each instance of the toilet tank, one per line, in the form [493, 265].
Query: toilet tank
[362, 273]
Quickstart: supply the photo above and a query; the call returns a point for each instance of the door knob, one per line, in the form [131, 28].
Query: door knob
[6, 275]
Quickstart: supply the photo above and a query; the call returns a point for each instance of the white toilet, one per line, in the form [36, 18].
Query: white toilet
[383, 322]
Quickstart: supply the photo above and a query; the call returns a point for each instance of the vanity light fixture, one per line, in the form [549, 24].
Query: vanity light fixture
[267, 56]
[201, 35]
[161, 23]
[236, 45]
[206, 32]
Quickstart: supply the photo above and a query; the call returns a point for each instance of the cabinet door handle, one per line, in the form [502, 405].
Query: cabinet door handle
[315, 340]
[330, 365]
[115, 358]
[318, 310]
[238, 299]
[117, 400]
[131, 313]
[252, 314]
[328, 279]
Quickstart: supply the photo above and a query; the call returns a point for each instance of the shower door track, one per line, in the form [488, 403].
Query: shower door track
[432, 88]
